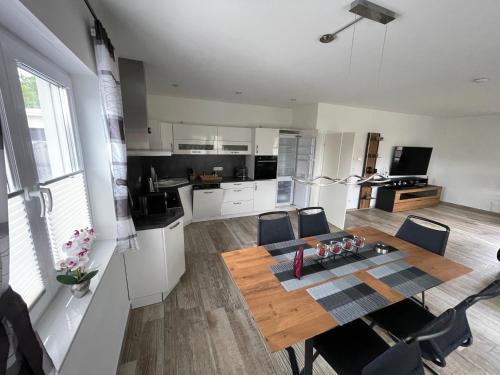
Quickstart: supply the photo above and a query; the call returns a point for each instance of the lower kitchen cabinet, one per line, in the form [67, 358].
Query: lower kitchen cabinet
[155, 269]
[207, 203]
[264, 195]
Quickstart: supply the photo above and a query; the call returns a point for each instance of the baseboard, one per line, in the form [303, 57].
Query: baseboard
[473, 209]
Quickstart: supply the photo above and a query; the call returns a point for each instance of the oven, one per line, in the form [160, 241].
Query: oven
[265, 167]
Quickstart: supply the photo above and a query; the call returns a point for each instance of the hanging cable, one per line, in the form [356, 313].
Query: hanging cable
[381, 58]
[352, 45]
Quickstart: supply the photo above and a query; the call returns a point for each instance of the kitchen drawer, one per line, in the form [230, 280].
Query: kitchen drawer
[207, 203]
[239, 194]
[237, 185]
[240, 207]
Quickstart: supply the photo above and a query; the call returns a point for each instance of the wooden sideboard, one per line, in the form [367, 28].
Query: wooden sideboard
[395, 199]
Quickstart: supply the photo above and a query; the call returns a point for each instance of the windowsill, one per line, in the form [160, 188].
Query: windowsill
[59, 324]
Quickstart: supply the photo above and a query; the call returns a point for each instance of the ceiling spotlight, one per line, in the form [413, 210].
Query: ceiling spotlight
[364, 9]
[175, 85]
[238, 92]
[293, 100]
[481, 80]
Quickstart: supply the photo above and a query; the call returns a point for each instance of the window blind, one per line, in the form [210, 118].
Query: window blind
[25, 275]
[70, 211]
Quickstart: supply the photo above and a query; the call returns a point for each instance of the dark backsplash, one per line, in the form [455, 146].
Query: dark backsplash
[178, 165]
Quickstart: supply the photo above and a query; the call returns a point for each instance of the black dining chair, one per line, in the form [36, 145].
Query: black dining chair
[498, 255]
[312, 222]
[274, 227]
[408, 316]
[355, 348]
[431, 239]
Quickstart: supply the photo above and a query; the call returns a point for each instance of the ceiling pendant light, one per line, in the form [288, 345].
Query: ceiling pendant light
[364, 9]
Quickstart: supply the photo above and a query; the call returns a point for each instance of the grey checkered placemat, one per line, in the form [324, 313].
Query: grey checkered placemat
[347, 299]
[283, 251]
[404, 278]
[313, 273]
[335, 236]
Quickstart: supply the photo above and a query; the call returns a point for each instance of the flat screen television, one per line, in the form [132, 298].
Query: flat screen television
[410, 161]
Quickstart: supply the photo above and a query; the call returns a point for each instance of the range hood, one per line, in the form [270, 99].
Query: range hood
[135, 115]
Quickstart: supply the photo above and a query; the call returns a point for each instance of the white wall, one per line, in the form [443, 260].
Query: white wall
[397, 129]
[305, 116]
[467, 162]
[198, 111]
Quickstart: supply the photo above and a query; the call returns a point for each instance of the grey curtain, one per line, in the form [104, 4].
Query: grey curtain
[21, 352]
[111, 98]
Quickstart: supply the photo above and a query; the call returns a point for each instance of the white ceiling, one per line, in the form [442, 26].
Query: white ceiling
[269, 49]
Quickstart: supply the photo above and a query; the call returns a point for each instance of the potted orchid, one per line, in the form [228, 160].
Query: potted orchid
[72, 268]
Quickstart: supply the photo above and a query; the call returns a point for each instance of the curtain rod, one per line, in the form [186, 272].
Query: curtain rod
[91, 10]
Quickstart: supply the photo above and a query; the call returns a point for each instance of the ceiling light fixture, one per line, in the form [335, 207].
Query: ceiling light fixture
[364, 9]
[481, 80]
[293, 100]
[238, 92]
[175, 85]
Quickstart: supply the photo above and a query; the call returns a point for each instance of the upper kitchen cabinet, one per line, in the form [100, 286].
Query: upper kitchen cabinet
[135, 119]
[266, 141]
[195, 139]
[234, 141]
[160, 136]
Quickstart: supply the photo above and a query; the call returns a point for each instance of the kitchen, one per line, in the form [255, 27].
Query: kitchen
[180, 173]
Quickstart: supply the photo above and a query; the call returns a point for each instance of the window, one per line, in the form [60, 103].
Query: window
[43, 165]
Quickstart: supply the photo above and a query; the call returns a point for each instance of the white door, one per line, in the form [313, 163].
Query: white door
[146, 268]
[264, 196]
[207, 203]
[174, 254]
[266, 141]
[337, 159]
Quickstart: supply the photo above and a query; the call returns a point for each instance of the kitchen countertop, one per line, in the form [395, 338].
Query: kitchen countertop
[158, 221]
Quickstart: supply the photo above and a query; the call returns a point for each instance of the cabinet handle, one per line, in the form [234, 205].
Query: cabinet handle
[208, 192]
[237, 183]
[255, 187]
[257, 149]
[175, 225]
[236, 202]
[195, 152]
[237, 190]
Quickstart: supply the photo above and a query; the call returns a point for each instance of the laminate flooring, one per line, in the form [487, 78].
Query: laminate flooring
[203, 327]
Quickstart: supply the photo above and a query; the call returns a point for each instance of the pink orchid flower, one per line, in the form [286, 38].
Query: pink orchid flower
[76, 233]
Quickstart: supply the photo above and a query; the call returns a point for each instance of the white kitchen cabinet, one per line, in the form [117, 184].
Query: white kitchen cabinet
[237, 207]
[146, 276]
[207, 203]
[266, 141]
[238, 194]
[173, 239]
[195, 132]
[264, 195]
[160, 136]
[228, 133]
[186, 195]
[155, 269]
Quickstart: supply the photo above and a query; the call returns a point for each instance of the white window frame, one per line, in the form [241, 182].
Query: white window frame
[14, 53]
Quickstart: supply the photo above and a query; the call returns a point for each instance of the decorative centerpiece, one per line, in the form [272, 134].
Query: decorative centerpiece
[73, 268]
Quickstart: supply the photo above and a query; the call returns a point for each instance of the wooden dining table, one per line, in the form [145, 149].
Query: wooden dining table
[285, 318]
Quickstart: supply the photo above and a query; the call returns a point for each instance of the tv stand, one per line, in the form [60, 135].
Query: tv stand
[396, 199]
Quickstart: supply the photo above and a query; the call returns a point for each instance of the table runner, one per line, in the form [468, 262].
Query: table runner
[313, 272]
[283, 251]
[404, 278]
[347, 299]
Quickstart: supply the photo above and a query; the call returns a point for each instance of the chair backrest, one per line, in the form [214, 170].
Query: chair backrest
[498, 255]
[274, 227]
[438, 349]
[405, 357]
[434, 240]
[400, 359]
[312, 222]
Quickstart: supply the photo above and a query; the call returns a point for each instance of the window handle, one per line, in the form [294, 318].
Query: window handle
[47, 193]
[40, 194]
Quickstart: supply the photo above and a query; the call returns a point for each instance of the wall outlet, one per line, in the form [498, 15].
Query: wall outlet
[218, 169]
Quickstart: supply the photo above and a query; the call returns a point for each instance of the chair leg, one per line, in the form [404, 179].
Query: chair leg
[293, 360]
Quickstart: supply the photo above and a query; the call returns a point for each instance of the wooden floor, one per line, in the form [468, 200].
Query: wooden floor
[204, 328]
